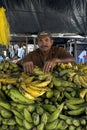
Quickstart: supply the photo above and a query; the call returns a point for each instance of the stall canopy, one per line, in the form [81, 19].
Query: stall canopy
[56, 16]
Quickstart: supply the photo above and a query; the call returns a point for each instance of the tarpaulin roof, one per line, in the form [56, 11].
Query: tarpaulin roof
[56, 16]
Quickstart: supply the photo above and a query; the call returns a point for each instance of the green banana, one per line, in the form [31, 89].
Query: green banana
[67, 95]
[51, 125]
[31, 108]
[27, 125]
[76, 122]
[40, 126]
[39, 110]
[5, 105]
[5, 113]
[49, 108]
[74, 101]
[18, 114]
[27, 115]
[77, 111]
[61, 125]
[18, 106]
[38, 71]
[49, 93]
[65, 71]
[2, 95]
[10, 121]
[19, 128]
[16, 96]
[36, 119]
[19, 121]
[56, 113]
[76, 106]
[44, 118]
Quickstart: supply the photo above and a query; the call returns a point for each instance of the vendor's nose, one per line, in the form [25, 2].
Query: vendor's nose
[44, 42]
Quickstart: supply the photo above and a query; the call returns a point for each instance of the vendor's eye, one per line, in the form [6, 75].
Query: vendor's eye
[46, 39]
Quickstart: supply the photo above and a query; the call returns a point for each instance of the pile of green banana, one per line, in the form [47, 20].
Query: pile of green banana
[52, 101]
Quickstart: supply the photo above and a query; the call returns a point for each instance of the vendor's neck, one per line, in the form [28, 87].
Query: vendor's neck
[45, 53]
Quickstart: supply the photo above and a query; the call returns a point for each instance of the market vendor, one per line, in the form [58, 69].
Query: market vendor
[46, 56]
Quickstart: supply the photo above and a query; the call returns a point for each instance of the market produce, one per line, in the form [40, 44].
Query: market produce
[4, 28]
[53, 101]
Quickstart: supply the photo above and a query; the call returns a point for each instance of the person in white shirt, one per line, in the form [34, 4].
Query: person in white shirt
[81, 56]
[21, 52]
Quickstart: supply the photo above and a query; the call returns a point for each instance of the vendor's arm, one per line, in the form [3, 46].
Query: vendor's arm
[27, 63]
[62, 56]
[49, 65]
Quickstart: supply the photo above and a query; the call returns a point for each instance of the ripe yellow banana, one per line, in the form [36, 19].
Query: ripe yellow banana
[83, 83]
[38, 88]
[29, 79]
[42, 84]
[76, 80]
[25, 94]
[85, 78]
[33, 92]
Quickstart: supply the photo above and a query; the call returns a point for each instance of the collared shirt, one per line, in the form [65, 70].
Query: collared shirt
[37, 56]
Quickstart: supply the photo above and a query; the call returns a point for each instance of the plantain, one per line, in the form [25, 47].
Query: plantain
[44, 76]
[19, 121]
[40, 126]
[85, 78]
[33, 92]
[56, 113]
[5, 105]
[49, 93]
[27, 125]
[10, 121]
[48, 107]
[26, 94]
[74, 101]
[44, 117]
[43, 83]
[5, 113]
[31, 108]
[77, 81]
[38, 71]
[71, 75]
[2, 95]
[51, 125]
[77, 111]
[83, 83]
[65, 71]
[27, 115]
[36, 118]
[18, 106]
[29, 79]
[83, 93]
[39, 110]
[18, 114]
[37, 88]
[16, 96]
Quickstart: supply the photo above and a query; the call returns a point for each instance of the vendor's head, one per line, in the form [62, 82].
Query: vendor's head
[45, 41]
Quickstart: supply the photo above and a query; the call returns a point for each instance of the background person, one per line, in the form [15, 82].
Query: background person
[81, 55]
[46, 56]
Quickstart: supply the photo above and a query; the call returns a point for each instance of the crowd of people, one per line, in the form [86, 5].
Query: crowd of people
[16, 51]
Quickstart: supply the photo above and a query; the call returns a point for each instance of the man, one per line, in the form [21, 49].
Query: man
[46, 56]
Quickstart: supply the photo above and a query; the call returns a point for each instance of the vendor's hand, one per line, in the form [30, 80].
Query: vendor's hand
[28, 67]
[49, 65]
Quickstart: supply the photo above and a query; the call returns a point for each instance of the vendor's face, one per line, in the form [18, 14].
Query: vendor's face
[45, 43]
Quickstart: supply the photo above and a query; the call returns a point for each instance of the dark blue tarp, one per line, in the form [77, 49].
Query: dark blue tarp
[57, 16]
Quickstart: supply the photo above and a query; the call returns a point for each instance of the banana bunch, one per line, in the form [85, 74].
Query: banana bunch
[34, 85]
[34, 88]
[9, 67]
